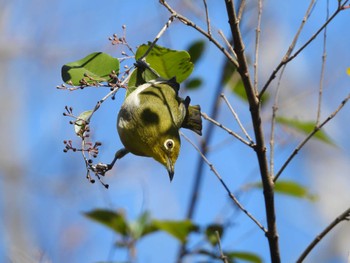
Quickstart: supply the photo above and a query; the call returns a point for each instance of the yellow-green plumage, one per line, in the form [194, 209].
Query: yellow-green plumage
[150, 118]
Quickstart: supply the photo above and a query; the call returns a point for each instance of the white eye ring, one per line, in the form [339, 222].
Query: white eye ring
[169, 144]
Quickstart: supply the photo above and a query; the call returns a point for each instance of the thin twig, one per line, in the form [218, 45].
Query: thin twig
[237, 119]
[231, 195]
[207, 17]
[311, 134]
[161, 32]
[241, 9]
[228, 44]
[324, 56]
[188, 22]
[222, 255]
[345, 216]
[257, 44]
[273, 123]
[286, 60]
[205, 116]
[275, 105]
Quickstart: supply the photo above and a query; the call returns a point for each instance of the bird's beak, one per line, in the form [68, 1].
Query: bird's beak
[170, 168]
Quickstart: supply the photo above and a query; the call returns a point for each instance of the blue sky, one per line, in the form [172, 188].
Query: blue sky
[44, 191]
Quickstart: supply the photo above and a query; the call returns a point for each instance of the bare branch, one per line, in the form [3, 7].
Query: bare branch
[237, 119]
[324, 56]
[222, 255]
[231, 195]
[207, 17]
[257, 43]
[241, 9]
[311, 134]
[273, 123]
[188, 22]
[287, 59]
[228, 44]
[260, 148]
[161, 32]
[345, 216]
[205, 116]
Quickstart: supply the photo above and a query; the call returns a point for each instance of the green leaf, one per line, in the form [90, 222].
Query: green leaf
[111, 219]
[211, 231]
[289, 188]
[245, 256]
[92, 69]
[293, 189]
[193, 83]
[348, 71]
[168, 63]
[81, 122]
[196, 50]
[305, 127]
[178, 229]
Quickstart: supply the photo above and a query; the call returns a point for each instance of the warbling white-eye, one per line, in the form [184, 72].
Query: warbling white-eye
[150, 118]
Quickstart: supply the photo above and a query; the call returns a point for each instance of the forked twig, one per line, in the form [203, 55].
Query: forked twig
[231, 195]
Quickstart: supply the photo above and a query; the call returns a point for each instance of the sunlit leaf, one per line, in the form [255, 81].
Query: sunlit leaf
[81, 122]
[93, 69]
[243, 256]
[211, 233]
[168, 63]
[348, 71]
[111, 219]
[178, 229]
[305, 127]
[193, 83]
[196, 50]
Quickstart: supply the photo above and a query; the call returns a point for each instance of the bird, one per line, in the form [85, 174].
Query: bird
[150, 118]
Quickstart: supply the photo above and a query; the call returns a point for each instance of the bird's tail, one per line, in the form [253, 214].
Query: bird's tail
[193, 118]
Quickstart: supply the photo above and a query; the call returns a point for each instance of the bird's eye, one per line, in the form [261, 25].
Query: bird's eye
[169, 144]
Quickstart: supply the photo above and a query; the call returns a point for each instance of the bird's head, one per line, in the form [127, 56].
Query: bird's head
[166, 150]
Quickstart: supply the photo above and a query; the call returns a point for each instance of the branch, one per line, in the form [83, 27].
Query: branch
[257, 43]
[324, 56]
[207, 17]
[345, 216]
[188, 22]
[205, 116]
[311, 134]
[251, 142]
[161, 32]
[260, 149]
[231, 195]
[287, 59]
